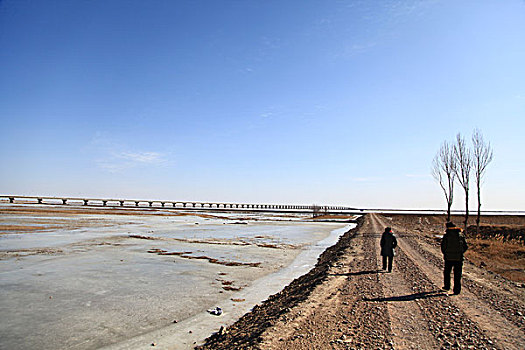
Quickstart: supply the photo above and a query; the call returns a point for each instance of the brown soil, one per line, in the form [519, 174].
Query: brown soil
[186, 255]
[347, 302]
[44, 225]
[339, 217]
[24, 228]
[219, 242]
[61, 210]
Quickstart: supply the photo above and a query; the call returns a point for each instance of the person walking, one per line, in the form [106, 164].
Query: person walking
[453, 246]
[388, 243]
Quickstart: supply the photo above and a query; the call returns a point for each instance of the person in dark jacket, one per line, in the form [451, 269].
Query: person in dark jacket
[388, 243]
[453, 246]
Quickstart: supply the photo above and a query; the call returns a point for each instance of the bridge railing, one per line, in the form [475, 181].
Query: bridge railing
[141, 203]
[194, 205]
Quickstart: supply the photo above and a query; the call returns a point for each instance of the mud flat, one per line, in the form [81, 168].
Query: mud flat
[75, 279]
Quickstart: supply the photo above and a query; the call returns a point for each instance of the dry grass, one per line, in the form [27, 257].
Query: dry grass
[506, 258]
[499, 248]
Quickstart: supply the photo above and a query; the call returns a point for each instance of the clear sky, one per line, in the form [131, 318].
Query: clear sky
[327, 102]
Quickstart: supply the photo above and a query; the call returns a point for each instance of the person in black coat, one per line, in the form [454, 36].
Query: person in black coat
[388, 243]
[453, 246]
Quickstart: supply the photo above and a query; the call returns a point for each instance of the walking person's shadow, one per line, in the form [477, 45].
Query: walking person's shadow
[357, 273]
[410, 297]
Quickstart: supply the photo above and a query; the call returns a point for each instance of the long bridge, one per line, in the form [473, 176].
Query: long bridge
[195, 205]
[135, 203]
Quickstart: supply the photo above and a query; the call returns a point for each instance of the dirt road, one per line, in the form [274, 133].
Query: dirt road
[348, 302]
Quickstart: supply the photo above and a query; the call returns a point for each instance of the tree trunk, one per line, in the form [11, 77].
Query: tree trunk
[466, 211]
[478, 218]
[448, 210]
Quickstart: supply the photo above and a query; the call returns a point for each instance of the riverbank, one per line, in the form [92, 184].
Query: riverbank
[85, 279]
[348, 302]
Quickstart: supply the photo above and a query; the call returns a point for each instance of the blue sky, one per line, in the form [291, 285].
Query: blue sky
[328, 102]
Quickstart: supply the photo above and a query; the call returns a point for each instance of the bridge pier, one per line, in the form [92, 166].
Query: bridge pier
[169, 204]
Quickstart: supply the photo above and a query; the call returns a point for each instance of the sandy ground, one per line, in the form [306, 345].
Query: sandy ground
[347, 302]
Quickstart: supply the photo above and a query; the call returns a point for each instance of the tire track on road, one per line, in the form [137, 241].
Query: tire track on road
[492, 325]
[409, 326]
[510, 306]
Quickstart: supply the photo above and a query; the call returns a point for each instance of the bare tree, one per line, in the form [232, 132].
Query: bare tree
[463, 157]
[444, 172]
[482, 156]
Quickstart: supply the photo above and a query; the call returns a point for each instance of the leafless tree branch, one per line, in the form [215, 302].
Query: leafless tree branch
[444, 172]
[464, 162]
[482, 156]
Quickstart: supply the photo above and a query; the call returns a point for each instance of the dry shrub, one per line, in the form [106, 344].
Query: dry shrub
[504, 257]
[502, 233]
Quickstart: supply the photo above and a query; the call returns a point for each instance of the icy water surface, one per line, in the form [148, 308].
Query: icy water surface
[85, 281]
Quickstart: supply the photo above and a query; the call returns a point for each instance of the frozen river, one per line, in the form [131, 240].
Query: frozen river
[73, 278]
